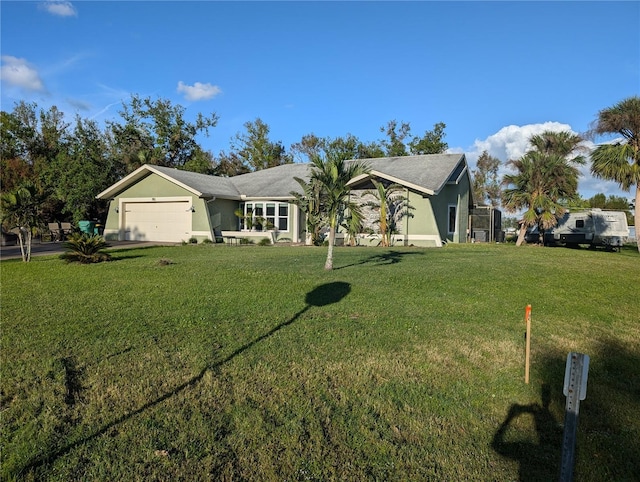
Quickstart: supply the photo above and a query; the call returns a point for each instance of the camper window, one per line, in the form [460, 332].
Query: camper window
[579, 223]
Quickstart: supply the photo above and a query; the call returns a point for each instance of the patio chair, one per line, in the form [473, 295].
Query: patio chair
[217, 235]
[65, 229]
[55, 232]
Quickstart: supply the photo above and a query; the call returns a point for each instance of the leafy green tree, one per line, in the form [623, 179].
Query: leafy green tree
[392, 206]
[486, 185]
[371, 150]
[21, 211]
[254, 151]
[85, 169]
[431, 143]
[201, 161]
[333, 174]
[15, 168]
[347, 147]
[309, 145]
[32, 141]
[598, 201]
[34, 135]
[601, 201]
[577, 203]
[350, 147]
[620, 162]
[399, 141]
[229, 165]
[394, 144]
[156, 132]
[546, 178]
[617, 203]
[131, 142]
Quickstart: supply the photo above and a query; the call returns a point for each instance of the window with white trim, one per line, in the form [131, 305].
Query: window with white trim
[283, 217]
[261, 216]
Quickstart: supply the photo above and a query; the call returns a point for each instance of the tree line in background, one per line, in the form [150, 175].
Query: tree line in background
[59, 167]
[65, 164]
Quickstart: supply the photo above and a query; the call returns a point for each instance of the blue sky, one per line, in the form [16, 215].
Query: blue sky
[494, 72]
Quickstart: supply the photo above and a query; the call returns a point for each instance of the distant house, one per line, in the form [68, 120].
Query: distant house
[156, 203]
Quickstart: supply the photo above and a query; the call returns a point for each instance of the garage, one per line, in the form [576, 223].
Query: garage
[168, 221]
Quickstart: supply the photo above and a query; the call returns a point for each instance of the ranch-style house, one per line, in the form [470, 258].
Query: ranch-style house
[155, 203]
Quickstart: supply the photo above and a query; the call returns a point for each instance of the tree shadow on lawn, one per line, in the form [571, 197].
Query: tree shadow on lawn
[389, 257]
[604, 437]
[320, 296]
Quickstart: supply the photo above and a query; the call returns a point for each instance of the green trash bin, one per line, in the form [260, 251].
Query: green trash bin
[86, 227]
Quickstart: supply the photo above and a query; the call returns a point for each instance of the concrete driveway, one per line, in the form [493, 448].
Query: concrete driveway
[40, 249]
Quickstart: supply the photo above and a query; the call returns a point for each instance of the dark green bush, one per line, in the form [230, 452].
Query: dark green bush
[85, 248]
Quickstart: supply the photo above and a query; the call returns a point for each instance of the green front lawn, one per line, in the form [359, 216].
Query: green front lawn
[253, 363]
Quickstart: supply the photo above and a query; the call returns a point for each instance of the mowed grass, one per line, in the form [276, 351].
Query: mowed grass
[253, 363]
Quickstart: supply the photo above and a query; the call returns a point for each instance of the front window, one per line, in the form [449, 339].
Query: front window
[271, 215]
[258, 219]
[283, 217]
[259, 216]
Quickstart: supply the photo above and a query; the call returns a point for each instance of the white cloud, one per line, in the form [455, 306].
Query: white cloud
[19, 73]
[61, 9]
[198, 91]
[512, 142]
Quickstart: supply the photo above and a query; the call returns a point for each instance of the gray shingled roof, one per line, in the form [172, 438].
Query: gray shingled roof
[430, 172]
[207, 185]
[276, 182]
[427, 173]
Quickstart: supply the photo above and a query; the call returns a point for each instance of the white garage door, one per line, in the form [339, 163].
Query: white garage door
[157, 221]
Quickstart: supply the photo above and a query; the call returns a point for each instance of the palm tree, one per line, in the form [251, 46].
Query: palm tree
[562, 144]
[391, 205]
[352, 224]
[620, 162]
[546, 178]
[21, 210]
[310, 203]
[332, 174]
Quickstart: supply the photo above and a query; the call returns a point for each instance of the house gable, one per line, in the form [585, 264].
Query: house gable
[200, 185]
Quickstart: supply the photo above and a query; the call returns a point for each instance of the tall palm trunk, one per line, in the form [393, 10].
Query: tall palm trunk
[384, 230]
[521, 234]
[328, 265]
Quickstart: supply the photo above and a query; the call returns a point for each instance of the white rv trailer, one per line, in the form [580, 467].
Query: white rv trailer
[594, 227]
